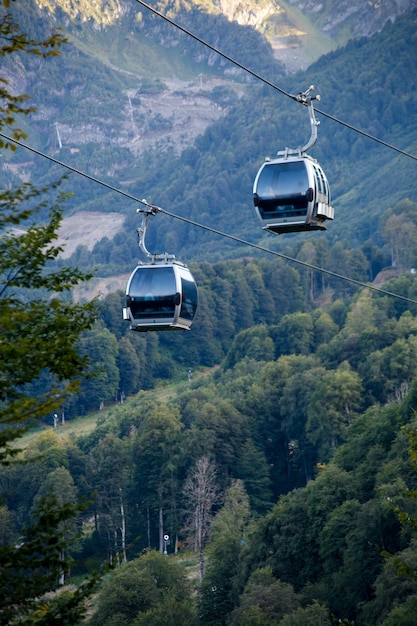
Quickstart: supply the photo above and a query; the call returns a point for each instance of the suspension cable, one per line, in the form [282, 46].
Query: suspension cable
[271, 84]
[215, 231]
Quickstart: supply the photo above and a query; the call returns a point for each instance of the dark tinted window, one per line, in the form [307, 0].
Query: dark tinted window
[282, 189]
[189, 299]
[282, 180]
[152, 292]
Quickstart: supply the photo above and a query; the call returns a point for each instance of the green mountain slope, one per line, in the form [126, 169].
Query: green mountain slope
[101, 92]
[317, 406]
[371, 84]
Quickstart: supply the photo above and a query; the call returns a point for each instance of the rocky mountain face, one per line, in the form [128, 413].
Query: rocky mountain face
[171, 113]
[102, 12]
[360, 18]
[248, 12]
[300, 31]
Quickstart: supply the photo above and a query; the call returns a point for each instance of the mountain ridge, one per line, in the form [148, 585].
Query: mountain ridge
[299, 31]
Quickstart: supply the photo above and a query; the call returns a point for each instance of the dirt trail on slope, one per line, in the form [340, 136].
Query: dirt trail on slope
[86, 228]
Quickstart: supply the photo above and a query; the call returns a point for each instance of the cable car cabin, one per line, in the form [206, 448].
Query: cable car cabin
[291, 194]
[161, 296]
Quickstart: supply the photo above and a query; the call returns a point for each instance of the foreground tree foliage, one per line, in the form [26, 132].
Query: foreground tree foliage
[38, 329]
[40, 364]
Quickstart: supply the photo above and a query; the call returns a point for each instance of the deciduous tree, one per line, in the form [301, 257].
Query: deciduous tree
[156, 459]
[200, 492]
[219, 592]
[149, 590]
[40, 329]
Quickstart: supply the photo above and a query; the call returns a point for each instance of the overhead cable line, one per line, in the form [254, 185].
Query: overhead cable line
[269, 83]
[215, 231]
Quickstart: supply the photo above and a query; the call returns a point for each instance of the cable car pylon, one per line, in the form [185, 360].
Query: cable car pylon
[291, 192]
[161, 293]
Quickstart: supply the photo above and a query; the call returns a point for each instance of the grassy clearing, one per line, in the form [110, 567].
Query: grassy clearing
[84, 425]
[191, 563]
[74, 428]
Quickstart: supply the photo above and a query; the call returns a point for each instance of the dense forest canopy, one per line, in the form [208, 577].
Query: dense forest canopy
[317, 407]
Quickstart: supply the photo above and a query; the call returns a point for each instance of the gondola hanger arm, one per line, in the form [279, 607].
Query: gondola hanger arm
[150, 209]
[305, 98]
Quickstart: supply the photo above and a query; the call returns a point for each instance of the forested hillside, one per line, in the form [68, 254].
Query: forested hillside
[313, 412]
[233, 296]
[369, 84]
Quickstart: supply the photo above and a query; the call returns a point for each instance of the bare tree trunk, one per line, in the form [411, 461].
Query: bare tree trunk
[109, 547]
[161, 528]
[62, 574]
[148, 519]
[201, 564]
[123, 527]
[200, 493]
[116, 550]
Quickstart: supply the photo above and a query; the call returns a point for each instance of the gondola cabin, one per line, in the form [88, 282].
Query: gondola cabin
[291, 194]
[161, 296]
